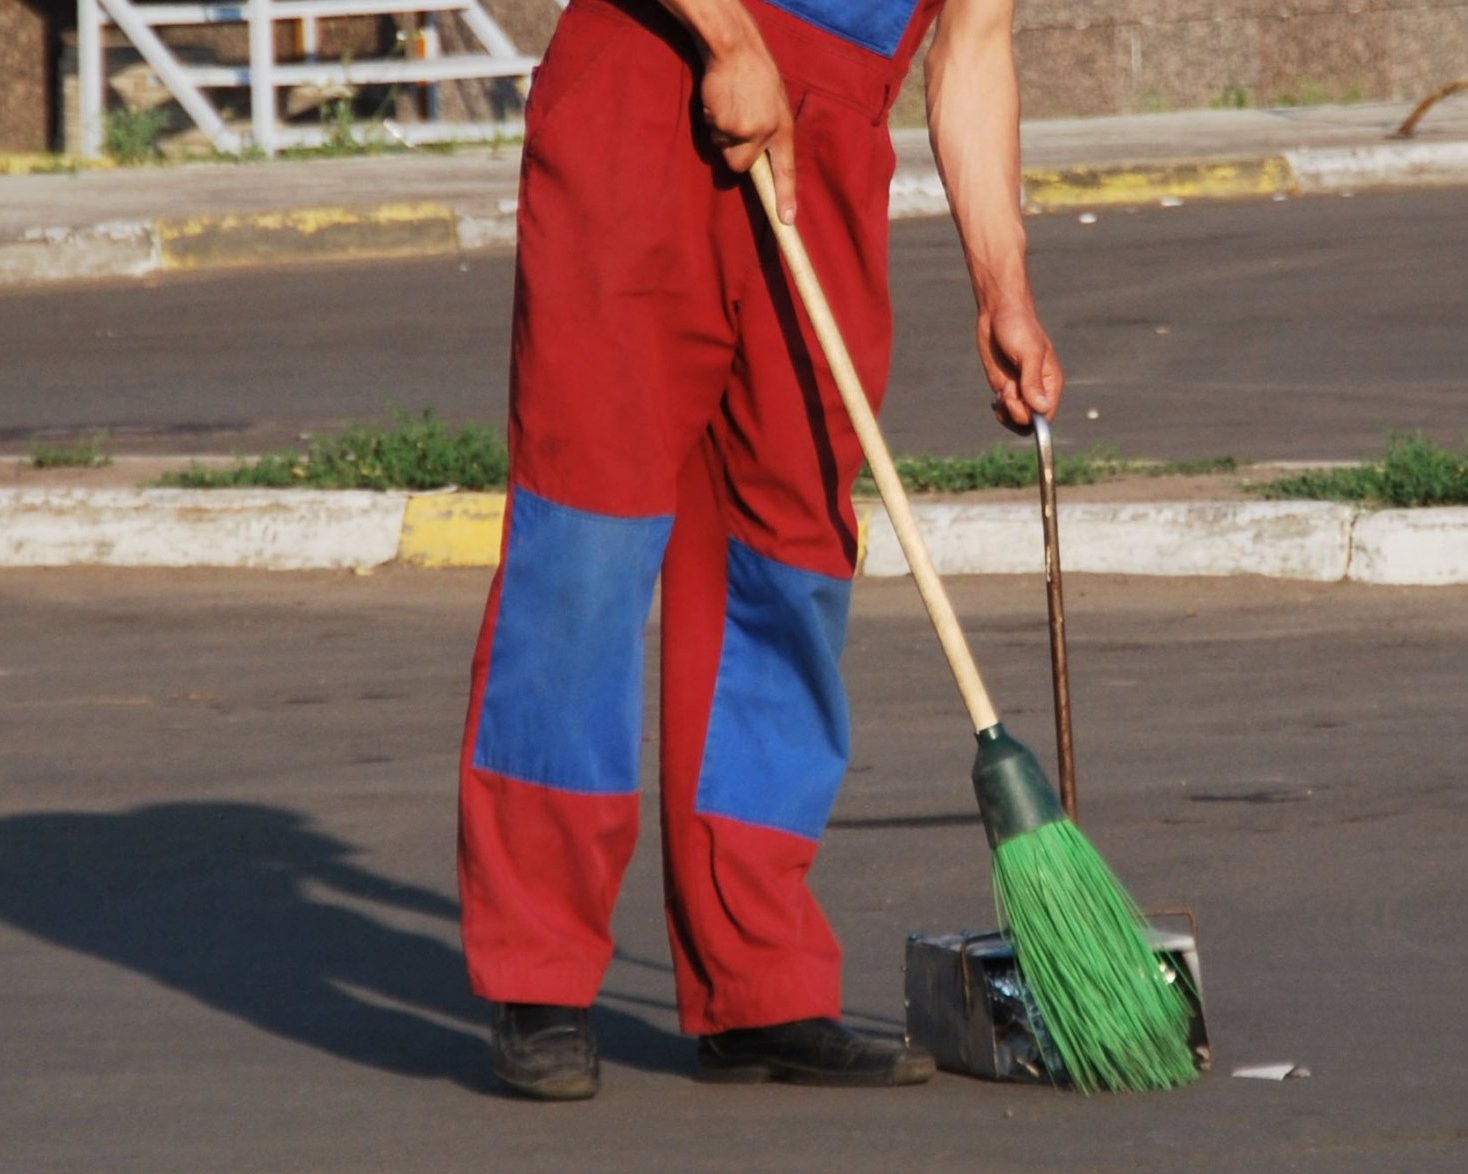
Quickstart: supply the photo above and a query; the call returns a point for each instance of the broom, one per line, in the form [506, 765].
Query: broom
[1116, 1019]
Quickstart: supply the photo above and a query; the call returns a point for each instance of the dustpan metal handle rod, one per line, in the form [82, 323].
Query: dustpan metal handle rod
[976, 700]
[1055, 601]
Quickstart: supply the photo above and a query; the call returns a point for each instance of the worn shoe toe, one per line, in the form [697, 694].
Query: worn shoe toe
[546, 1051]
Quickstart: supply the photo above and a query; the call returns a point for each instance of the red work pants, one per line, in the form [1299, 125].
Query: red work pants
[671, 415]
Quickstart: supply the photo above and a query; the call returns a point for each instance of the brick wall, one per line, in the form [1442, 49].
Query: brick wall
[1127, 56]
[1076, 56]
[25, 77]
[1105, 56]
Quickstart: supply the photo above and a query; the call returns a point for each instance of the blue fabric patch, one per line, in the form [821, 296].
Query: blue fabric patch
[877, 25]
[563, 706]
[780, 731]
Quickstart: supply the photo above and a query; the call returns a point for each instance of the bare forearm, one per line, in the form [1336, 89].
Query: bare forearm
[973, 121]
[721, 27]
[973, 118]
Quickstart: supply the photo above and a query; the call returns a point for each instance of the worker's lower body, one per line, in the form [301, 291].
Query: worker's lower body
[670, 417]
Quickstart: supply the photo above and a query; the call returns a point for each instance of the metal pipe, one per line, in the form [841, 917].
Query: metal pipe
[90, 70]
[262, 81]
[1055, 601]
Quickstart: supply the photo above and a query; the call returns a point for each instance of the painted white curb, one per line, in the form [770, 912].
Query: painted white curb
[118, 249]
[1288, 540]
[1426, 547]
[917, 191]
[486, 232]
[963, 540]
[260, 528]
[1385, 164]
[315, 529]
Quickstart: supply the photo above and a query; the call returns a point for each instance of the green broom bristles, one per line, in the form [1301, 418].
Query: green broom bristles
[1116, 1019]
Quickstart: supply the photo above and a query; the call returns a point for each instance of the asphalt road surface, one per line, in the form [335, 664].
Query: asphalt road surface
[1296, 330]
[227, 905]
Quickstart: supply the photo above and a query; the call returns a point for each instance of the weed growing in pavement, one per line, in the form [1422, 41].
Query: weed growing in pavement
[131, 136]
[1204, 467]
[1233, 97]
[416, 452]
[420, 452]
[337, 118]
[80, 454]
[1414, 472]
[1001, 467]
[1314, 93]
[1011, 467]
[340, 135]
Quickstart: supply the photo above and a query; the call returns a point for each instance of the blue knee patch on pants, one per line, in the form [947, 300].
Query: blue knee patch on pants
[780, 730]
[563, 705]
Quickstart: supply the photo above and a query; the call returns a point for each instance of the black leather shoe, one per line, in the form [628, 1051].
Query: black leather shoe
[810, 1051]
[545, 1051]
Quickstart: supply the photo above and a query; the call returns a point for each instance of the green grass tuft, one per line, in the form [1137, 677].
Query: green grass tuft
[418, 452]
[1232, 97]
[1117, 1019]
[81, 454]
[1413, 473]
[131, 136]
[1203, 467]
[1010, 467]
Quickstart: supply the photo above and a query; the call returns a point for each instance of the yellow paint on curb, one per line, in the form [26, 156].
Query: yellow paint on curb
[863, 528]
[465, 529]
[1080, 187]
[42, 164]
[308, 234]
[453, 530]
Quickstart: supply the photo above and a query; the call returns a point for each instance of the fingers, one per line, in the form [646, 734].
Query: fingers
[782, 165]
[1040, 382]
[740, 156]
[747, 113]
[1003, 376]
[1011, 410]
[1025, 375]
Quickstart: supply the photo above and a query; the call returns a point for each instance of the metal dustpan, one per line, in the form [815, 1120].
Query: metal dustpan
[967, 1001]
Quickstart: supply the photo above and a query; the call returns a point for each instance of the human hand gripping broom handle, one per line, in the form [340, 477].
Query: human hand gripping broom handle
[976, 700]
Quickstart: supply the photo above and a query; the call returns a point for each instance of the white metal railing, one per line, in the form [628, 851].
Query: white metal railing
[263, 75]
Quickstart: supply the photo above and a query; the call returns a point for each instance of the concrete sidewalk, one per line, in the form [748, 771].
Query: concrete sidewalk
[121, 223]
[132, 222]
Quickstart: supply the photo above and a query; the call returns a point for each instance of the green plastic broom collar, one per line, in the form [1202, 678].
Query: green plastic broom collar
[1014, 795]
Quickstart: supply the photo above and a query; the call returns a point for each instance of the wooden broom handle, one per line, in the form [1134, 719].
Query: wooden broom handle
[930, 586]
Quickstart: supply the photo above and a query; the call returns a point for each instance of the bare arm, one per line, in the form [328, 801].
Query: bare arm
[973, 121]
[744, 99]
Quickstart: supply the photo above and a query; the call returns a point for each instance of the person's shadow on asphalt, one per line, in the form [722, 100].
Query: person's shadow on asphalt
[249, 909]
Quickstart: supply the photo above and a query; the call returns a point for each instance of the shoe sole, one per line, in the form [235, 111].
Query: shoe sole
[577, 1087]
[915, 1070]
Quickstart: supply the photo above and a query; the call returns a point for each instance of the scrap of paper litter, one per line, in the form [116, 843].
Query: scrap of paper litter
[1272, 1071]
